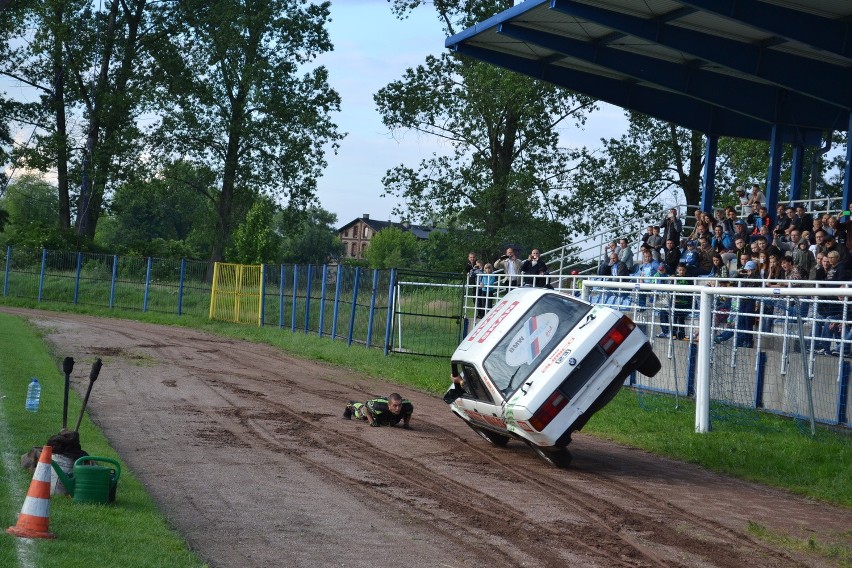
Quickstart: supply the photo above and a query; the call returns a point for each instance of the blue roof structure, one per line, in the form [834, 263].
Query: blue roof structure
[738, 68]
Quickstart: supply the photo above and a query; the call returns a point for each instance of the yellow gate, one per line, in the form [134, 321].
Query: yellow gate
[236, 294]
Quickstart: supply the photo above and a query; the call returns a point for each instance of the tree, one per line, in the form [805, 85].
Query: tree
[71, 39]
[392, 248]
[31, 204]
[309, 236]
[239, 107]
[502, 130]
[255, 240]
[162, 214]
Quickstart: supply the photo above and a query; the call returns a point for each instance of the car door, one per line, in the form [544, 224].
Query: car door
[481, 402]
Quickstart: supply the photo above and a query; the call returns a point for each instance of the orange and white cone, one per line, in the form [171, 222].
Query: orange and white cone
[32, 522]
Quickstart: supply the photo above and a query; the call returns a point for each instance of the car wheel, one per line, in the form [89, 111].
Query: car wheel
[650, 366]
[556, 456]
[492, 437]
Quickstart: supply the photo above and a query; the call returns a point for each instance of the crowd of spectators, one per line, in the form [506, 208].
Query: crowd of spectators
[743, 246]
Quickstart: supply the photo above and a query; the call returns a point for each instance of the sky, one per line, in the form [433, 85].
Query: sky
[371, 49]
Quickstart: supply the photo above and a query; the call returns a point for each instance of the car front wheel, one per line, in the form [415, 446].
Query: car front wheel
[556, 456]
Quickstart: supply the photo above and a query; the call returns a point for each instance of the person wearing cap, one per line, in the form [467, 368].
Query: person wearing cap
[740, 230]
[690, 259]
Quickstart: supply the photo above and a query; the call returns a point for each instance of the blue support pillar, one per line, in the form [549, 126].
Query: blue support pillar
[389, 322]
[281, 298]
[322, 298]
[336, 310]
[295, 289]
[708, 192]
[847, 184]
[796, 173]
[77, 278]
[147, 285]
[372, 307]
[354, 306]
[759, 379]
[773, 179]
[308, 286]
[113, 281]
[691, 369]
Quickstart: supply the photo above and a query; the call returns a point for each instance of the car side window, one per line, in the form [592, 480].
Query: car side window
[474, 386]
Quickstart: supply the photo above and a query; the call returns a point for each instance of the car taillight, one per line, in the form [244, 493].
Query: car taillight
[548, 411]
[616, 336]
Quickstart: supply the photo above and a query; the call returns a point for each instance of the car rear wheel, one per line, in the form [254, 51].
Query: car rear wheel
[492, 437]
[650, 366]
[557, 456]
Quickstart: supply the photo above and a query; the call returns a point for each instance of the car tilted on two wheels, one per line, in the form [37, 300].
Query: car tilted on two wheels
[539, 364]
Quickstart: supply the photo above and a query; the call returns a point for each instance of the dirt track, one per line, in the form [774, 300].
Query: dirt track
[245, 451]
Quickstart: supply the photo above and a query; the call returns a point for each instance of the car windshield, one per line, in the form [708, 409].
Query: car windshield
[531, 339]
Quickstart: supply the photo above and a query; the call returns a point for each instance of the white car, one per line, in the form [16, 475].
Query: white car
[539, 364]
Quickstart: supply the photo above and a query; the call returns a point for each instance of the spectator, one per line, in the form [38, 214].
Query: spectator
[757, 198]
[705, 256]
[742, 311]
[729, 221]
[486, 290]
[470, 267]
[671, 226]
[671, 256]
[690, 259]
[648, 269]
[827, 311]
[745, 208]
[681, 304]
[625, 254]
[806, 221]
[656, 242]
[741, 248]
[718, 269]
[511, 267]
[721, 241]
[616, 267]
[537, 268]
[740, 230]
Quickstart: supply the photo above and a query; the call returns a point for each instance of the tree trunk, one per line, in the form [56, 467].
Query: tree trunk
[61, 129]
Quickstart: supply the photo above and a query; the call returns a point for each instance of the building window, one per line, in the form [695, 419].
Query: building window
[366, 232]
[353, 252]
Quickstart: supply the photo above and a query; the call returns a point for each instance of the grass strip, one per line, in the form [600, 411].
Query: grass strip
[129, 532]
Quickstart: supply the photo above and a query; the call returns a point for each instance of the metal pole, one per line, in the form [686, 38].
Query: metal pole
[702, 383]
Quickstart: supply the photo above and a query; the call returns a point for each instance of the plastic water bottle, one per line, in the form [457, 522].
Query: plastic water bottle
[33, 395]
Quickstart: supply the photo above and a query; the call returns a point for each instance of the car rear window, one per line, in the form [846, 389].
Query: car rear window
[529, 342]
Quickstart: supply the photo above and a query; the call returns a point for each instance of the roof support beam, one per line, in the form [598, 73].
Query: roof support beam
[811, 78]
[664, 105]
[760, 101]
[834, 36]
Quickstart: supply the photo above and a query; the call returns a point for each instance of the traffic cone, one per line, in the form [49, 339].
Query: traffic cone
[32, 522]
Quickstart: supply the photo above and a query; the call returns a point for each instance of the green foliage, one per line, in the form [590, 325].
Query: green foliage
[504, 164]
[166, 215]
[392, 248]
[309, 236]
[255, 241]
[237, 104]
